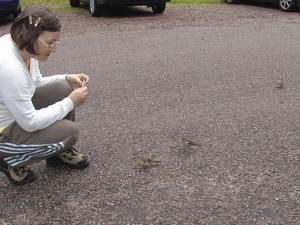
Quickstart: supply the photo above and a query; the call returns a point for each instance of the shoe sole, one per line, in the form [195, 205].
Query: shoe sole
[80, 166]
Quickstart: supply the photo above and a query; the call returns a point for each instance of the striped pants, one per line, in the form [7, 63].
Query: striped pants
[19, 147]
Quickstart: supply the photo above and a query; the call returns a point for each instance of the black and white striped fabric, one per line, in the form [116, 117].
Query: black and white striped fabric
[26, 152]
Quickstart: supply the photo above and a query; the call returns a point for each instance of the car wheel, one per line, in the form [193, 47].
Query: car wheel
[232, 1]
[74, 3]
[159, 7]
[16, 13]
[95, 8]
[287, 5]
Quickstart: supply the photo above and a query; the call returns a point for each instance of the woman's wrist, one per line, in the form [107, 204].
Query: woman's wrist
[66, 77]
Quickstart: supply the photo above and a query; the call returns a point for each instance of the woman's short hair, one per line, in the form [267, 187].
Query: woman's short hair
[30, 24]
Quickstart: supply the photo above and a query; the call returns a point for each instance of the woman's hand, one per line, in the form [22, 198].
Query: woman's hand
[78, 80]
[79, 95]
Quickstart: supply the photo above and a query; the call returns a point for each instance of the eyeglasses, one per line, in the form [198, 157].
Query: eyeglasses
[52, 45]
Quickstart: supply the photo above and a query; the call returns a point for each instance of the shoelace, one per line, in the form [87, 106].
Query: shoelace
[20, 170]
[73, 151]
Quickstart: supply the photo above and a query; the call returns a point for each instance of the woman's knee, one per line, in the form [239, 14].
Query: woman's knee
[63, 88]
[51, 93]
[65, 131]
[70, 130]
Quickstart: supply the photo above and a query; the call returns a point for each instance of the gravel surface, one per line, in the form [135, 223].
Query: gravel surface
[137, 18]
[204, 72]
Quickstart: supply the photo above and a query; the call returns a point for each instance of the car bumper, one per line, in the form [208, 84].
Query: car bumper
[131, 2]
[9, 6]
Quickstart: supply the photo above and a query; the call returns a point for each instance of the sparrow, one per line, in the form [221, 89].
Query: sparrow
[280, 83]
[188, 142]
[145, 161]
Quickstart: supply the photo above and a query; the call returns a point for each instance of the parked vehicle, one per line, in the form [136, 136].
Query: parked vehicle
[284, 5]
[98, 6]
[8, 7]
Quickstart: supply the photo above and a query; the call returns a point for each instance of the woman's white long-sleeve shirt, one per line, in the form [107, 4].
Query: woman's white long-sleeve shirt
[17, 87]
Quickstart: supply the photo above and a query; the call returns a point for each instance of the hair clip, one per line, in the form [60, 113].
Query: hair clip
[37, 21]
[30, 19]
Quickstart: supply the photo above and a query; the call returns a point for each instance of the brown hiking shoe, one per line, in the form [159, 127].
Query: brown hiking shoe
[18, 175]
[71, 158]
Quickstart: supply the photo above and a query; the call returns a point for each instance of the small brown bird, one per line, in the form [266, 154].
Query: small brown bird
[145, 161]
[280, 83]
[188, 142]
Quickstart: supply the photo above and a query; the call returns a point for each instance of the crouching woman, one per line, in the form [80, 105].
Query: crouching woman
[36, 113]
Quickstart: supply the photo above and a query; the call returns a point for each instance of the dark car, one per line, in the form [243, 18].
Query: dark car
[97, 6]
[284, 5]
[8, 7]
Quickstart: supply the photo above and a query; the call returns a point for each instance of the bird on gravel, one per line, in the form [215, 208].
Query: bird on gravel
[145, 161]
[280, 83]
[188, 142]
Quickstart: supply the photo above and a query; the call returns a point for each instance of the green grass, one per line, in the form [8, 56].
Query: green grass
[193, 2]
[55, 5]
[62, 5]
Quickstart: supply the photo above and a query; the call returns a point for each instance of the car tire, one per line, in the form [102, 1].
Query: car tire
[287, 5]
[159, 7]
[74, 3]
[232, 1]
[95, 8]
[17, 13]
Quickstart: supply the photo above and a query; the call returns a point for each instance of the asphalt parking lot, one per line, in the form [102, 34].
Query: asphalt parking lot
[215, 84]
